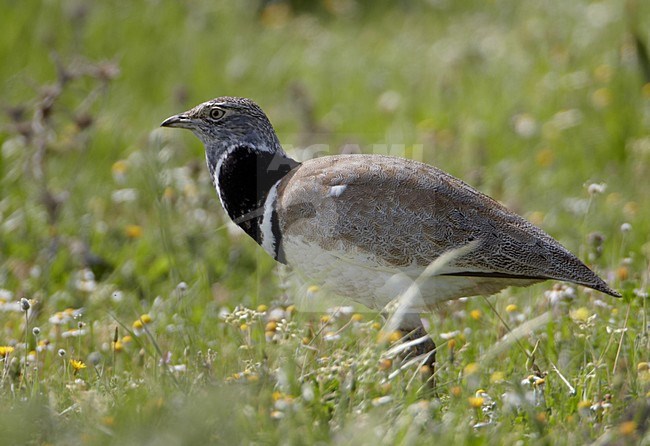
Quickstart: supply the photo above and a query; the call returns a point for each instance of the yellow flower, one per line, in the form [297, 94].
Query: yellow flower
[545, 157]
[385, 364]
[475, 402]
[627, 427]
[394, 336]
[275, 15]
[142, 321]
[601, 98]
[511, 308]
[643, 369]
[133, 231]
[77, 365]
[475, 314]
[262, 308]
[603, 73]
[497, 377]
[579, 315]
[5, 350]
[390, 336]
[584, 404]
[119, 167]
[168, 193]
[471, 368]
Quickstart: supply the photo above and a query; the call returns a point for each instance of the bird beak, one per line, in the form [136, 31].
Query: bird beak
[181, 121]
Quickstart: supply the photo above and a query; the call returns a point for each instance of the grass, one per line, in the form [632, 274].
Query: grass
[189, 333]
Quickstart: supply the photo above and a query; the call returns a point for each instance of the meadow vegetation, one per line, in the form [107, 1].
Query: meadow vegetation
[132, 312]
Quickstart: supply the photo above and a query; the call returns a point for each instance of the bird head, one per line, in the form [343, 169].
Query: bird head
[228, 121]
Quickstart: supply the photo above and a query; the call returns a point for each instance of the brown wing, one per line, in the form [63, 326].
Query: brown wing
[408, 213]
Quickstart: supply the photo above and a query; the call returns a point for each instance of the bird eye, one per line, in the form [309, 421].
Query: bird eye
[217, 113]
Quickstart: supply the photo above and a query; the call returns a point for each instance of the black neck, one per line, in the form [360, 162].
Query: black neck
[244, 179]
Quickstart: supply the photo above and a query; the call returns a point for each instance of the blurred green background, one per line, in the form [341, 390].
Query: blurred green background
[531, 102]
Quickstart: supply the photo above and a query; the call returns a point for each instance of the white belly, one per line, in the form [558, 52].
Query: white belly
[361, 277]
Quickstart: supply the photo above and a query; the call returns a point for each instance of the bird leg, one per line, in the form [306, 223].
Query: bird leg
[420, 345]
[426, 346]
[423, 348]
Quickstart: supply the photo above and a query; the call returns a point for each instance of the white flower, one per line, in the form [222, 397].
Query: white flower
[124, 195]
[596, 188]
[117, 296]
[382, 400]
[449, 335]
[74, 333]
[179, 368]
[331, 336]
